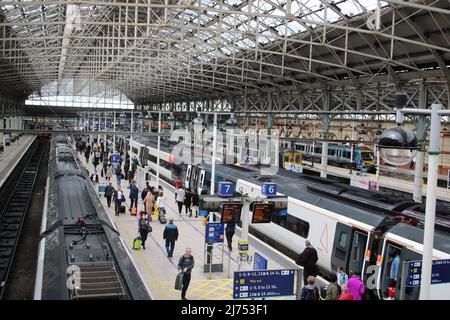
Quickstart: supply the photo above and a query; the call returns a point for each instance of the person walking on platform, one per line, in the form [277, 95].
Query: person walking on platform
[161, 204]
[188, 202]
[126, 167]
[308, 259]
[87, 153]
[229, 232]
[310, 291]
[134, 194]
[186, 264]
[105, 167]
[144, 194]
[144, 229]
[94, 177]
[148, 203]
[119, 176]
[356, 286]
[170, 234]
[179, 197]
[195, 201]
[333, 290]
[119, 198]
[109, 173]
[109, 192]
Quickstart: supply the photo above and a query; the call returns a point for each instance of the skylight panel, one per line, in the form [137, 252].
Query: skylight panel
[233, 2]
[349, 8]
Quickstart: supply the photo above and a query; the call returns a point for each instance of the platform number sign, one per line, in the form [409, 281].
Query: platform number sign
[115, 158]
[269, 189]
[226, 189]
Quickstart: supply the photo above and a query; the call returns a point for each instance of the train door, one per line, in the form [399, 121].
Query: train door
[194, 177]
[349, 248]
[391, 271]
[188, 176]
[201, 180]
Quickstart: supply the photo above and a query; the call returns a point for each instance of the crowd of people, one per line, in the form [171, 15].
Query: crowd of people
[341, 286]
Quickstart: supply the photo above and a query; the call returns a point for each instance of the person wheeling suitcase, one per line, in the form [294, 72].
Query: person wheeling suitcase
[161, 205]
[119, 198]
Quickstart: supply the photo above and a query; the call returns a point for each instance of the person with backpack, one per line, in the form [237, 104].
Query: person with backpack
[342, 277]
[186, 264]
[333, 290]
[310, 291]
[170, 234]
[308, 259]
[119, 176]
[144, 229]
[134, 193]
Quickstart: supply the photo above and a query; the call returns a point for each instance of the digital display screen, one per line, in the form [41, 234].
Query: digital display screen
[231, 212]
[262, 212]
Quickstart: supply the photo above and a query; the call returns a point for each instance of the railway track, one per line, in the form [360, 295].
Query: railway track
[13, 214]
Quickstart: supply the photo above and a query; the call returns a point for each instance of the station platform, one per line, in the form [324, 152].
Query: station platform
[12, 154]
[159, 271]
[384, 181]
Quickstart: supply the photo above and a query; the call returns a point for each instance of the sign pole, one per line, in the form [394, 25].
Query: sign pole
[404, 280]
[299, 283]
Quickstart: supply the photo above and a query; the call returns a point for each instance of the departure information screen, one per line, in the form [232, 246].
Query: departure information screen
[231, 212]
[262, 212]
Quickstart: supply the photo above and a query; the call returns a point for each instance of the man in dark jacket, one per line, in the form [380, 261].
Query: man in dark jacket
[170, 235]
[308, 259]
[186, 264]
[134, 194]
[229, 232]
[109, 191]
[144, 194]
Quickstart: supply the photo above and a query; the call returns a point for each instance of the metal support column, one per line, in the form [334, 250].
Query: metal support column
[324, 160]
[430, 207]
[214, 146]
[418, 170]
[159, 147]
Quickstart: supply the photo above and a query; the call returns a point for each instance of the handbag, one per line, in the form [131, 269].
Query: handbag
[179, 281]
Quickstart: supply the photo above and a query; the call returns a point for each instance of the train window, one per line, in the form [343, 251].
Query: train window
[134, 150]
[291, 223]
[301, 148]
[342, 243]
[317, 150]
[331, 152]
[298, 147]
[297, 158]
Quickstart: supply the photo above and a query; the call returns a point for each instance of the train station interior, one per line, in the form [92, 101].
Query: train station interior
[225, 150]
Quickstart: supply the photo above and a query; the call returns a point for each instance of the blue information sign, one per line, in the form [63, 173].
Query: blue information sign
[263, 284]
[226, 189]
[440, 272]
[203, 213]
[214, 233]
[115, 158]
[259, 262]
[269, 189]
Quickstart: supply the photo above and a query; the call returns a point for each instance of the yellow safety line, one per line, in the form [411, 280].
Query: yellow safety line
[211, 291]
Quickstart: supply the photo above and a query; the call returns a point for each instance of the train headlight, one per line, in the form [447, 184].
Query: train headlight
[398, 146]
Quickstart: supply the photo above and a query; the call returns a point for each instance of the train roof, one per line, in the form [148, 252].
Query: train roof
[412, 233]
[292, 188]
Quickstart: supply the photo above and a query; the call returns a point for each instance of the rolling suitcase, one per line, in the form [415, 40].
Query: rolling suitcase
[133, 211]
[122, 209]
[137, 242]
[179, 281]
[162, 217]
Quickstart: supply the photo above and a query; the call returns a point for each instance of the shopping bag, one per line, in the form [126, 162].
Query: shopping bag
[179, 281]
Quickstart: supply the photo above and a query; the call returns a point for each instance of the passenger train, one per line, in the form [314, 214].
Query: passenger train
[81, 254]
[350, 227]
[339, 155]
